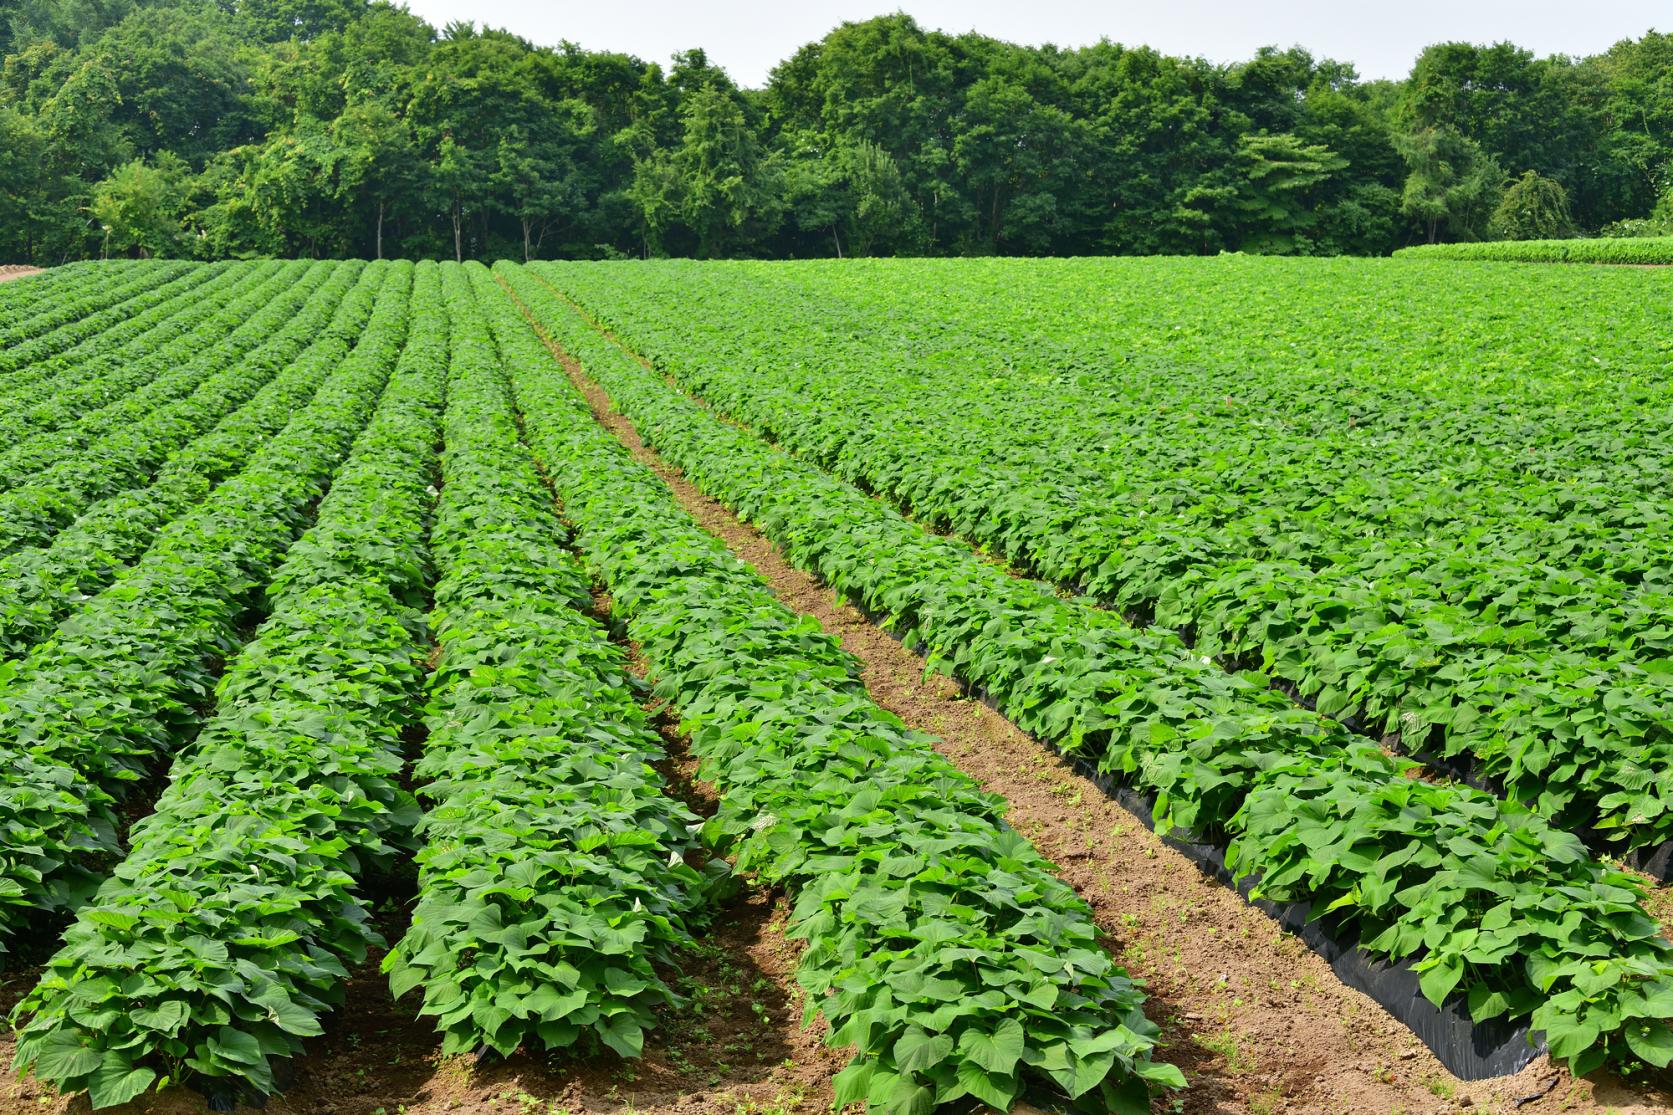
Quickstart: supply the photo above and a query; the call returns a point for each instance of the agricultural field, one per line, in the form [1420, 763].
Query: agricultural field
[904, 686]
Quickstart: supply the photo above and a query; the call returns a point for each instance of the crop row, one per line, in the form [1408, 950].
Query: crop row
[939, 943]
[75, 294]
[125, 679]
[40, 585]
[124, 386]
[1643, 250]
[1349, 459]
[92, 304]
[227, 932]
[1492, 902]
[552, 878]
[1532, 647]
[34, 294]
[129, 452]
[44, 380]
[157, 363]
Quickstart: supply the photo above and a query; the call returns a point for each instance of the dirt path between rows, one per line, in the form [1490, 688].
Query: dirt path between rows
[17, 271]
[1258, 1022]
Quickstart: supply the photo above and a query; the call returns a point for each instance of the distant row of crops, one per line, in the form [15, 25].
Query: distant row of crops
[1642, 250]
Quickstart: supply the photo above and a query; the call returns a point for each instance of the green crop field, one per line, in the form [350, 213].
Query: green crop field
[406, 679]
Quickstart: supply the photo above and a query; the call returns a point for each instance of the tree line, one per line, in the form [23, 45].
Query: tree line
[231, 128]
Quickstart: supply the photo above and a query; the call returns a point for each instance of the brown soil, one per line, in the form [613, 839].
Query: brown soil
[737, 1045]
[1258, 1022]
[17, 271]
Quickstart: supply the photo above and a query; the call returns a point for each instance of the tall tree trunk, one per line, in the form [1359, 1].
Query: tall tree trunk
[380, 230]
[525, 239]
[458, 245]
[838, 240]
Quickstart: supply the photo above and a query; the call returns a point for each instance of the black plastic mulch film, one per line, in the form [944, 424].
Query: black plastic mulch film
[1469, 1050]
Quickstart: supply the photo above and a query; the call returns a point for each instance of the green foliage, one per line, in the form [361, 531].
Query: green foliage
[552, 879]
[1280, 199]
[856, 195]
[938, 941]
[41, 585]
[344, 128]
[1452, 185]
[130, 676]
[226, 933]
[91, 307]
[136, 420]
[139, 207]
[1377, 597]
[1533, 208]
[718, 181]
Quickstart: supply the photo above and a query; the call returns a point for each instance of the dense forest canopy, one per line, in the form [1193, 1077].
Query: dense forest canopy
[347, 128]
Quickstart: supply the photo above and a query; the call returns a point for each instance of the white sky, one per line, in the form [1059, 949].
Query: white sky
[749, 37]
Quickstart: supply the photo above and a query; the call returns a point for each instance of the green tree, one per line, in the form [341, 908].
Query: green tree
[295, 191]
[1533, 208]
[68, 23]
[1016, 156]
[453, 180]
[276, 20]
[855, 195]
[25, 189]
[377, 165]
[1278, 202]
[1452, 185]
[728, 189]
[654, 194]
[884, 218]
[180, 75]
[139, 207]
[540, 180]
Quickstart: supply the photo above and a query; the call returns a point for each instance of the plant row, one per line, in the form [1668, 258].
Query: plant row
[1492, 903]
[129, 454]
[92, 304]
[117, 389]
[939, 943]
[228, 931]
[32, 397]
[34, 294]
[1533, 645]
[552, 877]
[1644, 250]
[127, 678]
[40, 585]
[1319, 465]
[76, 295]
